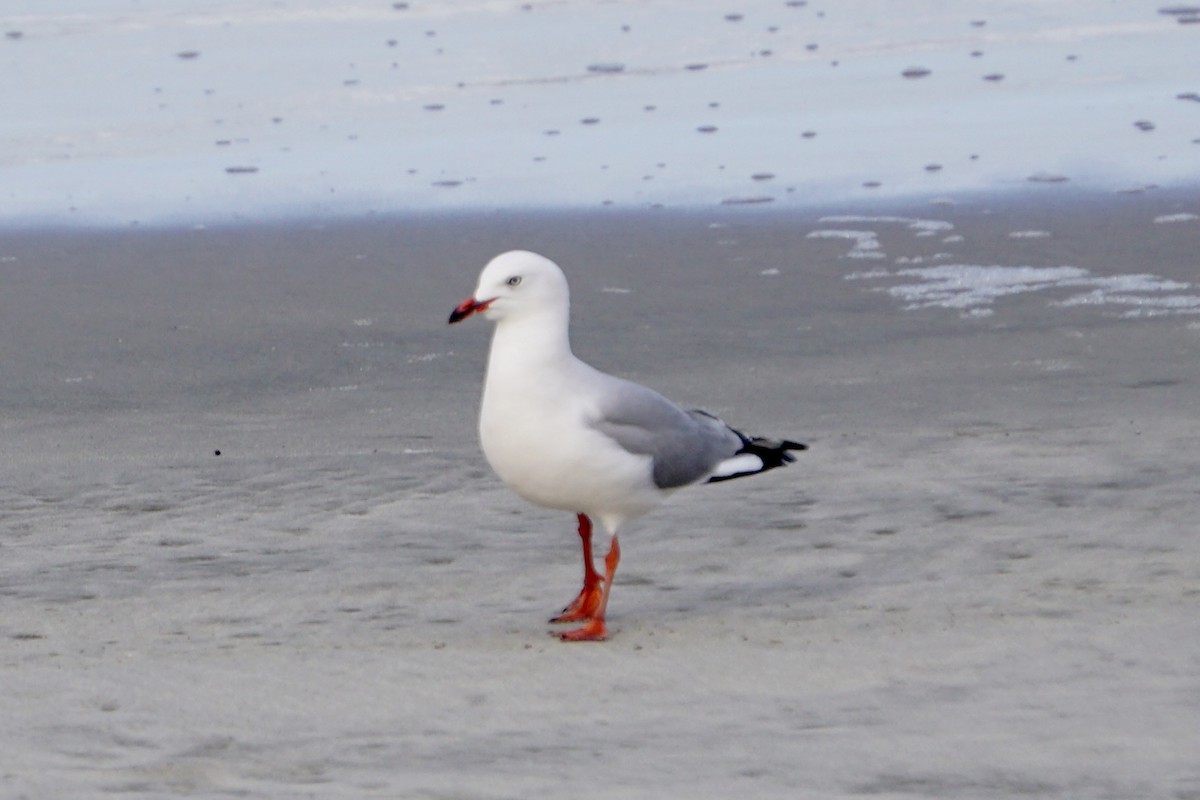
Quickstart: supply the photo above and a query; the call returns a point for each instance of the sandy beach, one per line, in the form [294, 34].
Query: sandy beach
[981, 581]
[249, 546]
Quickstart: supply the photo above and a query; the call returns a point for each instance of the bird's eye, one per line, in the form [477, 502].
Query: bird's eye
[514, 280]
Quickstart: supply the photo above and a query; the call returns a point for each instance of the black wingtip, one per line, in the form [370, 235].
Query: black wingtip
[771, 452]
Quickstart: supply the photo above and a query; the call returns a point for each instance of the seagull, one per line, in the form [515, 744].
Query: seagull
[564, 435]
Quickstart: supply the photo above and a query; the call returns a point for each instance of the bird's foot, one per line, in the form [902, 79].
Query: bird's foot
[591, 631]
[589, 606]
[584, 606]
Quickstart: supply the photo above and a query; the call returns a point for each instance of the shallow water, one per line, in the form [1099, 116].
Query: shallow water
[363, 107]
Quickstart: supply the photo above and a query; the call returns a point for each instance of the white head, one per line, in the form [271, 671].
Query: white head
[515, 284]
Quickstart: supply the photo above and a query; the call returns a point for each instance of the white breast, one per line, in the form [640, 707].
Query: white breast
[536, 435]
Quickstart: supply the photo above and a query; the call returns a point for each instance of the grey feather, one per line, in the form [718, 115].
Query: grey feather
[684, 446]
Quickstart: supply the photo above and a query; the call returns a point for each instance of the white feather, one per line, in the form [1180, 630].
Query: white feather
[744, 464]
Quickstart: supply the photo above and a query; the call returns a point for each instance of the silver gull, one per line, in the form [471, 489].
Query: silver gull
[564, 435]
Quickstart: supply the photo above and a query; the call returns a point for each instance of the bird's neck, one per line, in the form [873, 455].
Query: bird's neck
[531, 341]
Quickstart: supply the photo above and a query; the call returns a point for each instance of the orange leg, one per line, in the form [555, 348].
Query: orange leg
[584, 606]
[593, 629]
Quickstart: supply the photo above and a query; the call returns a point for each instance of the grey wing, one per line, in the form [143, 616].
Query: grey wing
[684, 446]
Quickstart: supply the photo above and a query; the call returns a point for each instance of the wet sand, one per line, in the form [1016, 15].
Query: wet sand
[981, 581]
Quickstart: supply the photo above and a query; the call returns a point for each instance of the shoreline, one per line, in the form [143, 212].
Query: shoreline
[1011, 198]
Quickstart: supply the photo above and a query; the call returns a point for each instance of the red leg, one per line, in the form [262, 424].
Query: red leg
[593, 629]
[584, 605]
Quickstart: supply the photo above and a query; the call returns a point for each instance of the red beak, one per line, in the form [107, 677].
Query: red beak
[466, 308]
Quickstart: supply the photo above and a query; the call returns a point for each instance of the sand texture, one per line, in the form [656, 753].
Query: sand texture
[981, 581]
